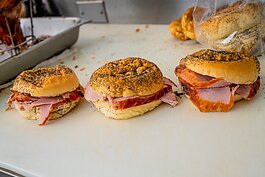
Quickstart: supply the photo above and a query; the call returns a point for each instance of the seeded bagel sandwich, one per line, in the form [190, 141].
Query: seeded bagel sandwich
[46, 93]
[129, 87]
[214, 80]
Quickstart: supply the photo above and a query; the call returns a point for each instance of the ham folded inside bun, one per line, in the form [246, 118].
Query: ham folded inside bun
[46, 93]
[129, 87]
[214, 80]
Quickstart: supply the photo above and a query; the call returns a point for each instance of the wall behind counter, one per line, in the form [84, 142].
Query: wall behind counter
[134, 11]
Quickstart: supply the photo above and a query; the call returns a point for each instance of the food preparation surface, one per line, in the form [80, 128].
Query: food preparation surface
[167, 141]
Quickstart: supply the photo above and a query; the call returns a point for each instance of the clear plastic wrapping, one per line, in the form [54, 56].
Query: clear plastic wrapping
[231, 25]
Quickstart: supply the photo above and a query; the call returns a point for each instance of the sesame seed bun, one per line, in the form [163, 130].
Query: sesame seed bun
[235, 67]
[236, 17]
[128, 113]
[127, 77]
[46, 82]
[55, 113]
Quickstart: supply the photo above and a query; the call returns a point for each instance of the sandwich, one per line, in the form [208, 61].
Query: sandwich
[214, 80]
[129, 87]
[46, 93]
[235, 28]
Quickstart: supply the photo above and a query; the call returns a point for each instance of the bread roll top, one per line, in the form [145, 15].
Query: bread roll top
[127, 77]
[46, 82]
[235, 67]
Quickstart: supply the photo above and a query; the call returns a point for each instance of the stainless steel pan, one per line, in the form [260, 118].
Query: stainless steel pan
[64, 33]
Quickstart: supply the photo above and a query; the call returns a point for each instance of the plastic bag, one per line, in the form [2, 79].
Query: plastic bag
[230, 25]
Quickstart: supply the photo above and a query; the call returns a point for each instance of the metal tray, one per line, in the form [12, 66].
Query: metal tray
[64, 33]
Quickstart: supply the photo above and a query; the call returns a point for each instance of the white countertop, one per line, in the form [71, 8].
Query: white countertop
[166, 142]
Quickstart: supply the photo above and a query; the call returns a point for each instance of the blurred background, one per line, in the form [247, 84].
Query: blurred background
[112, 11]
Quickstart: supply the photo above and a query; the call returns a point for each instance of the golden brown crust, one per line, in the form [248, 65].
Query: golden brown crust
[127, 77]
[46, 81]
[187, 23]
[176, 30]
[233, 67]
[236, 17]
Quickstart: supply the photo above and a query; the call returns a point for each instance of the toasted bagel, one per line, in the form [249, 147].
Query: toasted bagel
[127, 77]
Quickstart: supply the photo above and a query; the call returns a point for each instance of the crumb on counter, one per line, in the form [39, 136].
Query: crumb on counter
[76, 66]
[137, 30]
[61, 62]
[82, 69]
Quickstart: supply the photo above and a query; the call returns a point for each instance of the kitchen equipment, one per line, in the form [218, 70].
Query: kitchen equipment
[62, 33]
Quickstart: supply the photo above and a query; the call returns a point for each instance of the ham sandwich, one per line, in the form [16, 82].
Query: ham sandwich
[213, 94]
[45, 104]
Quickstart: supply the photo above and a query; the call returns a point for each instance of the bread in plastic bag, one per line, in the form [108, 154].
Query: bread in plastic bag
[183, 27]
[233, 26]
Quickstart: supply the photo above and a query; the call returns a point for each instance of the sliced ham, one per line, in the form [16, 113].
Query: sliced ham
[213, 94]
[211, 99]
[21, 97]
[197, 80]
[170, 98]
[91, 95]
[42, 101]
[127, 102]
[67, 95]
[244, 91]
[248, 91]
[222, 94]
[79, 92]
[26, 98]
[169, 82]
[45, 104]
[49, 100]
[44, 113]
[219, 83]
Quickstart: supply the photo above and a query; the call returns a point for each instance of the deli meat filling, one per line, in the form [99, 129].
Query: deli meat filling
[213, 94]
[166, 94]
[45, 104]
